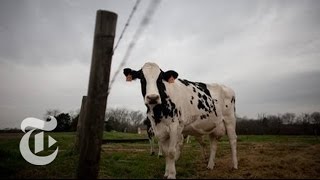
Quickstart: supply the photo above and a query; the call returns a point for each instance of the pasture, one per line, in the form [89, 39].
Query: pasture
[289, 157]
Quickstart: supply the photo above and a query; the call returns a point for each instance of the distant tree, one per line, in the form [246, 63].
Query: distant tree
[74, 123]
[274, 124]
[316, 122]
[51, 112]
[288, 118]
[136, 118]
[63, 122]
[121, 119]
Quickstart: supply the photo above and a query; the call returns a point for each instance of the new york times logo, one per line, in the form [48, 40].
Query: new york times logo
[25, 151]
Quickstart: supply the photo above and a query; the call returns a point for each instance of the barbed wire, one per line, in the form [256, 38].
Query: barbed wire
[144, 22]
[127, 24]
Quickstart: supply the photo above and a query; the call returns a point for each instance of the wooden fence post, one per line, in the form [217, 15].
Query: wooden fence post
[92, 127]
[80, 124]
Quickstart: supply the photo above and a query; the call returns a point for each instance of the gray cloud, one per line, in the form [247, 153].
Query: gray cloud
[268, 51]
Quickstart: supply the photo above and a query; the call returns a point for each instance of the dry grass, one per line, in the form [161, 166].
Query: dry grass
[276, 159]
[266, 160]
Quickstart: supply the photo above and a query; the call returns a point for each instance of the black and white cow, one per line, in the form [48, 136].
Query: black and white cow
[177, 108]
[151, 137]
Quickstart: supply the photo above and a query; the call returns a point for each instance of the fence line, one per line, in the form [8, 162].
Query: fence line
[143, 24]
[127, 24]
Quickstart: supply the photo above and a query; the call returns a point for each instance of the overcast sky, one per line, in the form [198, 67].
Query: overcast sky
[267, 51]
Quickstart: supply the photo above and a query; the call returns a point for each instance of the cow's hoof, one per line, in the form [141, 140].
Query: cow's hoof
[234, 168]
[160, 156]
[171, 177]
[152, 154]
[210, 167]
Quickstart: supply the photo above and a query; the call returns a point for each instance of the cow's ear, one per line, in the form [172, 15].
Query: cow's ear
[131, 74]
[170, 76]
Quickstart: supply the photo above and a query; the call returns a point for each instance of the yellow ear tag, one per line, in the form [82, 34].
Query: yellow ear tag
[171, 79]
[129, 78]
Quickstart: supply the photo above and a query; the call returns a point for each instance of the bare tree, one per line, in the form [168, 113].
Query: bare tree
[136, 117]
[121, 119]
[316, 122]
[288, 118]
[52, 112]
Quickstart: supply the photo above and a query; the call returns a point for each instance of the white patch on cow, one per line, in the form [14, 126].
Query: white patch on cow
[151, 73]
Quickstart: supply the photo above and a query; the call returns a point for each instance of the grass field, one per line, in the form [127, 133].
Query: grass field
[289, 157]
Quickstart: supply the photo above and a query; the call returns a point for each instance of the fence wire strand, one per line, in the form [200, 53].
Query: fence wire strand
[143, 24]
[134, 9]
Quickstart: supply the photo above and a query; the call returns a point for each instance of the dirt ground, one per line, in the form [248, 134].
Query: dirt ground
[256, 160]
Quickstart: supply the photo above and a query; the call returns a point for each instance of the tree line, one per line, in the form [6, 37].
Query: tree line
[116, 119]
[281, 124]
[125, 120]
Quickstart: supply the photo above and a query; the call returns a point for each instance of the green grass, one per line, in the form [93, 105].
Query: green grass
[259, 157]
[121, 135]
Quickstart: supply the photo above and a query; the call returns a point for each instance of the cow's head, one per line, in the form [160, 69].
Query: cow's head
[152, 81]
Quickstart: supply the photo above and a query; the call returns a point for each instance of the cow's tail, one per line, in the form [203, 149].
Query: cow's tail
[233, 101]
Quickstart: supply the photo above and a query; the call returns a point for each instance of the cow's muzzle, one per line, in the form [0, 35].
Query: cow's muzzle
[153, 99]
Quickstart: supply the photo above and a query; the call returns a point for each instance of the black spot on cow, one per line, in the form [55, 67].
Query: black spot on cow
[192, 97]
[226, 106]
[143, 83]
[207, 103]
[214, 107]
[185, 82]
[199, 95]
[167, 108]
[157, 113]
[199, 85]
[191, 102]
[203, 116]
[150, 132]
[205, 98]
[201, 105]
[203, 87]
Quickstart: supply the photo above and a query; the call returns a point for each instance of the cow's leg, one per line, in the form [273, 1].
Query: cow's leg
[170, 171]
[231, 131]
[160, 150]
[179, 146]
[213, 150]
[171, 152]
[151, 140]
[188, 139]
[202, 146]
[164, 145]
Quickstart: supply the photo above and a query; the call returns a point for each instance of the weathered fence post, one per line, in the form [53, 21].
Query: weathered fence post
[80, 124]
[92, 126]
